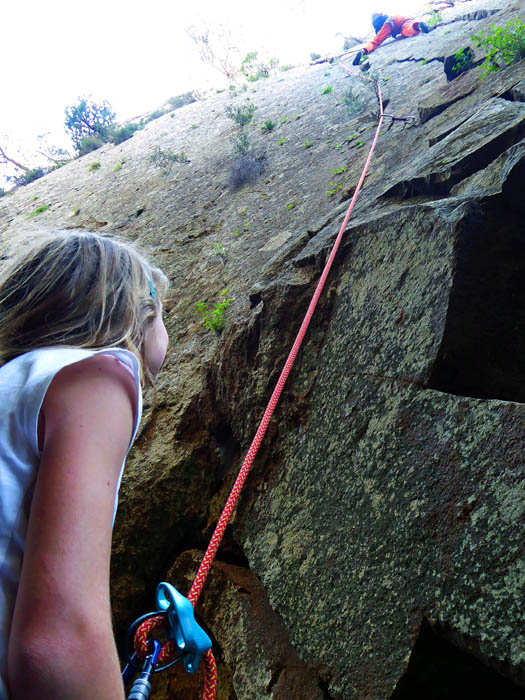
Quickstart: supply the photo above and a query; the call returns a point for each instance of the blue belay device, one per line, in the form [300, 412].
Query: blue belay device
[189, 637]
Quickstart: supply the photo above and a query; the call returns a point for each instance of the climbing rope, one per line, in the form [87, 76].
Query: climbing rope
[141, 646]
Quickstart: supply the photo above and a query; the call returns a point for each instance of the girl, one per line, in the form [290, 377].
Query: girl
[80, 331]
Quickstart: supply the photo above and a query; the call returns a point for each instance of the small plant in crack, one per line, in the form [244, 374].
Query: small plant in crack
[268, 126]
[334, 188]
[435, 18]
[463, 60]
[214, 320]
[165, 159]
[219, 250]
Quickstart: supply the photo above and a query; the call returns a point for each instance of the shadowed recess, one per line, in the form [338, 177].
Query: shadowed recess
[482, 354]
[437, 670]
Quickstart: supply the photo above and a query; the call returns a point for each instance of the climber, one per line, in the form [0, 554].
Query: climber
[386, 26]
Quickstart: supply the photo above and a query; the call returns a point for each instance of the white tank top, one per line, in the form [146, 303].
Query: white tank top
[23, 385]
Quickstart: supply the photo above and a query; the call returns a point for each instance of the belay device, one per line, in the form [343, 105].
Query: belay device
[185, 638]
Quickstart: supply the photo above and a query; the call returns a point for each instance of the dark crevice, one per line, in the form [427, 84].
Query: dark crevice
[482, 354]
[437, 139]
[440, 183]
[323, 687]
[475, 16]
[460, 62]
[231, 552]
[424, 61]
[438, 670]
[255, 299]
[275, 678]
[515, 94]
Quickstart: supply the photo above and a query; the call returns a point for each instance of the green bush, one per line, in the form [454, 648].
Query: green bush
[240, 115]
[182, 100]
[254, 69]
[166, 159]
[505, 44]
[463, 60]
[240, 143]
[123, 133]
[354, 103]
[268, 126]
[214, 320]
[88, 143]
[94, 166]
[29, 176]
[435, 18]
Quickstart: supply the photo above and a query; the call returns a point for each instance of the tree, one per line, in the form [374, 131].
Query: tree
[217, 47]
[89, 121]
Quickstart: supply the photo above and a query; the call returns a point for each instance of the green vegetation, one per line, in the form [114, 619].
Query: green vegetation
[327, 90]
[166, 159]
[219, 250]
[463, 60]
[94, 166]
[254, 69]
[182, 100]
[214, 320]
[118, 166]
[281, 141]
[39, 210]
[354, 103]
[240, 115]
[268, 126]
[89, 120]
[334, 187]
[435, 18]
[240, 143]
[505, 44]
[338, 171]
[89, 143]
[283, 121]
[123, 133]
[29, 176]
[292, 205]
[307, 143]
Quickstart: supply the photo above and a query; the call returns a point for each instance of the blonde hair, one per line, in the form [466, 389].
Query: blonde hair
[80, 290]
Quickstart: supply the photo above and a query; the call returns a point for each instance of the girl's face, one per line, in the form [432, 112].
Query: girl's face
[156, 343]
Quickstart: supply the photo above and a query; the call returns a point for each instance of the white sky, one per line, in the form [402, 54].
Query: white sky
[136, 54]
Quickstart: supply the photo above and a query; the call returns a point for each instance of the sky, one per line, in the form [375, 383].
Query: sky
[136, 55]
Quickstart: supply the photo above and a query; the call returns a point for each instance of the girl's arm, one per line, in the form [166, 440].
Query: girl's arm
[61, 643]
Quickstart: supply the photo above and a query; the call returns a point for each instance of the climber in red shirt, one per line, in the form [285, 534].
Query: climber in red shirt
[386, 26]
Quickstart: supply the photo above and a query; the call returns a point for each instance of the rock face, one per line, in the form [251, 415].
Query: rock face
[387, 504]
